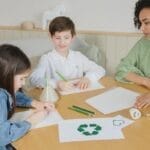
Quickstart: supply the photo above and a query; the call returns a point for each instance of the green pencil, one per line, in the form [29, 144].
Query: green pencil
[79, 111]
[61, 76]
[83, 109]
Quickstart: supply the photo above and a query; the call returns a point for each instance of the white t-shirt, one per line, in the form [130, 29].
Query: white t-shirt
[76, 65]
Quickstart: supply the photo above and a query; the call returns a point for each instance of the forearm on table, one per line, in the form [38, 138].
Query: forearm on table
[133, 77]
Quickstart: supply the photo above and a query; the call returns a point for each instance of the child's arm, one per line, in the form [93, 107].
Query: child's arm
[65, 85]
[43, 69]
[43, 105]
[23, 100]
[37, 77]
[37, 116]
[92, 71]
[10, 131]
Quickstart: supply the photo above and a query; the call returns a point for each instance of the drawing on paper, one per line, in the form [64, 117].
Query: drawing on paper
[89, 129]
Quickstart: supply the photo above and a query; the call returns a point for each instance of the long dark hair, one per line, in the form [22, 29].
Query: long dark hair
[12, 62]
[140, 4]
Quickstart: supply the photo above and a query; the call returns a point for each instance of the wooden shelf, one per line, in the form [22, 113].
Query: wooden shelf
[19, 29]
[95, 32]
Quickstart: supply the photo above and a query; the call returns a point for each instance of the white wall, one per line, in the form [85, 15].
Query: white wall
[100, 15]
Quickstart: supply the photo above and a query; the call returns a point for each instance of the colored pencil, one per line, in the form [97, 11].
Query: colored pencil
[79, 111]
[83, 109]
[61, 76]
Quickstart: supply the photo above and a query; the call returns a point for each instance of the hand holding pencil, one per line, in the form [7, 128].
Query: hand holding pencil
[83, 83]
[65, 85]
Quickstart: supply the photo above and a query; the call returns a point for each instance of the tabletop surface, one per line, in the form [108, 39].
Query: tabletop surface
[137, 135]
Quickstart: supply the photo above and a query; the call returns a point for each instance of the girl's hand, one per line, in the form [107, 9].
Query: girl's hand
[143, 101]
[37, 116]
[83, 83]
[65, 86]
[43, 105]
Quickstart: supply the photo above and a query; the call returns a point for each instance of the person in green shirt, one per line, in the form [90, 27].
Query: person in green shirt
[135, 67]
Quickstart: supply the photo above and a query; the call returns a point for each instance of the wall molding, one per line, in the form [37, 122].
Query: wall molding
[95, 32]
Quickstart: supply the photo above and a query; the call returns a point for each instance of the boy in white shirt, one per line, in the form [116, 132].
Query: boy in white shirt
[63, 64]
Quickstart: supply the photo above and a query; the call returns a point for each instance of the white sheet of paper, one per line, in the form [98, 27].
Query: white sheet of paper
[93, 86]
[68, 129]
[53, 118]
[113, 100]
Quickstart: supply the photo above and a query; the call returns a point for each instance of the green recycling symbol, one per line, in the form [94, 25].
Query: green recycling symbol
[83, 128]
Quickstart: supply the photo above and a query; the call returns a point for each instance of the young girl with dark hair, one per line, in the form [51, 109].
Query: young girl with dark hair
[14, 68]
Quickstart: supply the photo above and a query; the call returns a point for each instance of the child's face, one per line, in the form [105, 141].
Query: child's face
[144, 18]
[62, 40]
[19, 80]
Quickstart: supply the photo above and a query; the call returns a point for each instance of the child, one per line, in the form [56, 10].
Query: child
[14, 68]
[63, 64]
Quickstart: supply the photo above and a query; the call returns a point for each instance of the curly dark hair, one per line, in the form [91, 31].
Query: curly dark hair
[140, 4]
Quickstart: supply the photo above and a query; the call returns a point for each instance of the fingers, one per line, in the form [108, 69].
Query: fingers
[83, 83]
[69, 86]
[65, 86]
[139, 103]
[49, 106]
[142, 101]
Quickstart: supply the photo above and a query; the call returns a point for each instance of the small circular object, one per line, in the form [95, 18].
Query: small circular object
[27, 25]
[135, 113]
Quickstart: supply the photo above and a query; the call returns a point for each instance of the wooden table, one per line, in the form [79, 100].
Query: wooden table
[137, 135]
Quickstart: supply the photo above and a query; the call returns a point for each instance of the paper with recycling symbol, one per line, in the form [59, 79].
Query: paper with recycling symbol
[93, 129]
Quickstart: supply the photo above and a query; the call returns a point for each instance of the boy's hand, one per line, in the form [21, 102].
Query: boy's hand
[65, 86]
[83, 83]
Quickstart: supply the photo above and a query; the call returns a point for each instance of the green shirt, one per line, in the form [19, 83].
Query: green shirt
[137, 61]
